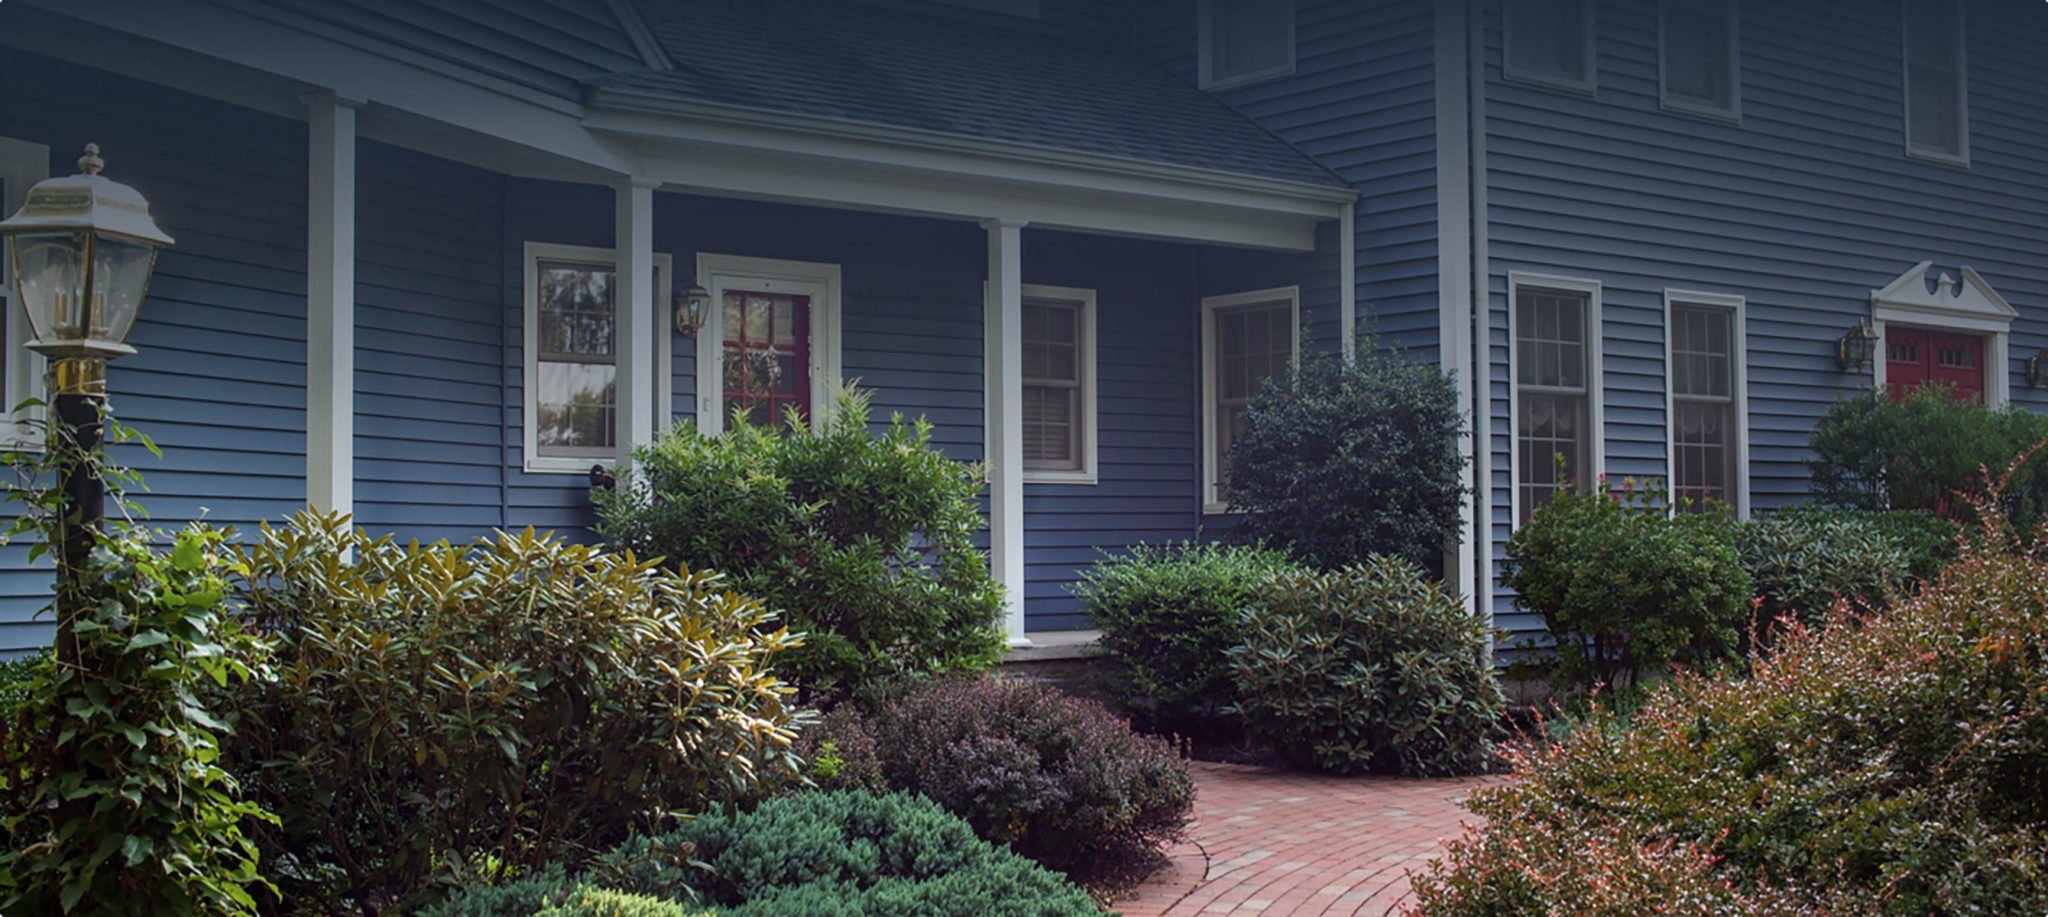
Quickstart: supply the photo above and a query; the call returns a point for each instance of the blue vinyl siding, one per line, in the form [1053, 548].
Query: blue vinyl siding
[219, 382]
[1803, 208]
[1361, 102]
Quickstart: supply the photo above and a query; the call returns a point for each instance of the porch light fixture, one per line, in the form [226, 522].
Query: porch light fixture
[691, 304]
[1858, 346]
[2037, 368]
[82, 249]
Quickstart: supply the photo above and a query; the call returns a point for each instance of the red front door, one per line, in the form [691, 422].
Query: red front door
[1916, 356]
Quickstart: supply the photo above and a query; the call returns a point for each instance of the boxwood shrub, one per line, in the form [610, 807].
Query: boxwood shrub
[1624, 587]
[1895, 763]
[862, 540]
[1168, 614]
[1372, 668]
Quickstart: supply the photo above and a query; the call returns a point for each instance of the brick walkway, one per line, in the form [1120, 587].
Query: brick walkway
[1277, 842]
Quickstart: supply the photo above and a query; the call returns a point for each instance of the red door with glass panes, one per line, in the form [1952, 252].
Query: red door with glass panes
[1917, 356]
[767, 351]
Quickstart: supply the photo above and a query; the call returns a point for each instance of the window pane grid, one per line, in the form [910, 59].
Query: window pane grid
[1553, 406]
[1253, 344]
[1052, 355]
[576, 375]
[1703, 406]
[766, 352]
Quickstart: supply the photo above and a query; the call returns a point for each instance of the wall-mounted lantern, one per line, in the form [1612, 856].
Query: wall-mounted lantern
[691, 305]
[1858, 347]
[2037, 368]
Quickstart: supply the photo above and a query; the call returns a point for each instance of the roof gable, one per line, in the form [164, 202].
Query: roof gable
[1925, 294]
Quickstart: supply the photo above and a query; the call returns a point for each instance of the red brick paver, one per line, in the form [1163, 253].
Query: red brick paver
[1278, 842]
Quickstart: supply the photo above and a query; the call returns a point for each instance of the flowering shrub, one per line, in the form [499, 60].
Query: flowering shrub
[1626, 587]
[1169, 614]
[1370, 668]
[1058, 779]
[1893, 763]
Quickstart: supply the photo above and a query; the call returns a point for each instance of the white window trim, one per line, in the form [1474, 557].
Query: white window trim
[1961, 157]
[1085, 300]
[1596, 380]
[1738, 309]
[1957, 304]
[820, 280]
[535, 252]
[1588, 86]
[22, 164]
[1206, 16]
[1210, 306]
[1733, 113]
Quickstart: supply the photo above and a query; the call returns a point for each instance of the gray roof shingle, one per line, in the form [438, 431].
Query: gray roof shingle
[893, 67]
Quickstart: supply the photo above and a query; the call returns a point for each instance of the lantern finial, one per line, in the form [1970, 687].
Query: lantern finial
[91, 163]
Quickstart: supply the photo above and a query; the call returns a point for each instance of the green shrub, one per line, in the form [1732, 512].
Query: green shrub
[1625, 587]
[1870, 452]
[600, 902]
[1891, 764]
[1056, 778]
[16, 675]
[1169, 614]
[112, 799]
[1337, 460]
[1372, 668]
[1800, 562]
[863, 542]
[442, 712]
[805, 855]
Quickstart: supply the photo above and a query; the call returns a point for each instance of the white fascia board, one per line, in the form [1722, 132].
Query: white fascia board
[929, 173]
[356, 67]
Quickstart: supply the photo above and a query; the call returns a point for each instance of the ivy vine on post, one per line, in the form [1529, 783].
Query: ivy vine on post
[112, 797]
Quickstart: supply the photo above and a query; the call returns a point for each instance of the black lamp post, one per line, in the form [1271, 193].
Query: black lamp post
[82, 250]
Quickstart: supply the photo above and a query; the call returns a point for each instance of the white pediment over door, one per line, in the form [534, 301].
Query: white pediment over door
[1927, 295]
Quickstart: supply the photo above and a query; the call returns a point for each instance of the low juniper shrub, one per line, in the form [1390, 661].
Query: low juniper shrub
[1625, 587]
[808, 854]
[1169, 615]
[1894, 762]
[1056, 778]
[1372, 668]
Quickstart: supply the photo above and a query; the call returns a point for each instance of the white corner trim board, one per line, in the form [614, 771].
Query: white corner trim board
[1927, 296]
[331, 302]
[818, 280]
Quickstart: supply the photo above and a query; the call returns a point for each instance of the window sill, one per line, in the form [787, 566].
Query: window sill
[1059, 477]
[556, 464]
[1219, 509]
[1952, 160]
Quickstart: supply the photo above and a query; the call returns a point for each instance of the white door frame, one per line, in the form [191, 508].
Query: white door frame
[718, 273]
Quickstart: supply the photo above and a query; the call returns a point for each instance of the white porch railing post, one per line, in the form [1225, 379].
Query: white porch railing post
[331, 302]
[638, 317]
[1003, 384]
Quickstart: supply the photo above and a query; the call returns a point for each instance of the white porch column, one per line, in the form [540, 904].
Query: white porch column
[331, 302]
[1003, 385]
[638, 322]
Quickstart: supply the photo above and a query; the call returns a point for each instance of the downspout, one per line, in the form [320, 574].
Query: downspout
[1347, 285]
[1481, 355]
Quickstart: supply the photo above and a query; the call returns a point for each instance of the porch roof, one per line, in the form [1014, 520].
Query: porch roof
[871, 64]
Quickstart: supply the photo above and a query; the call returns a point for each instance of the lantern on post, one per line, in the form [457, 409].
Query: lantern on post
[82, 249]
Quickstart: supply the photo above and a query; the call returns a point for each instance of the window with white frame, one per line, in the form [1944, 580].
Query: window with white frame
[22, 164]
[1937, 93]
[572, 355]
[1247, 338]
[1700, 63]
[1243, 41]
[1549, 42]
[1556, 387]
[1059, 384]
[1705, 373]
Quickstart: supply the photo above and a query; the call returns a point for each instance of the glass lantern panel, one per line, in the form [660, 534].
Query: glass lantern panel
[120, 276]
[49, 271]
